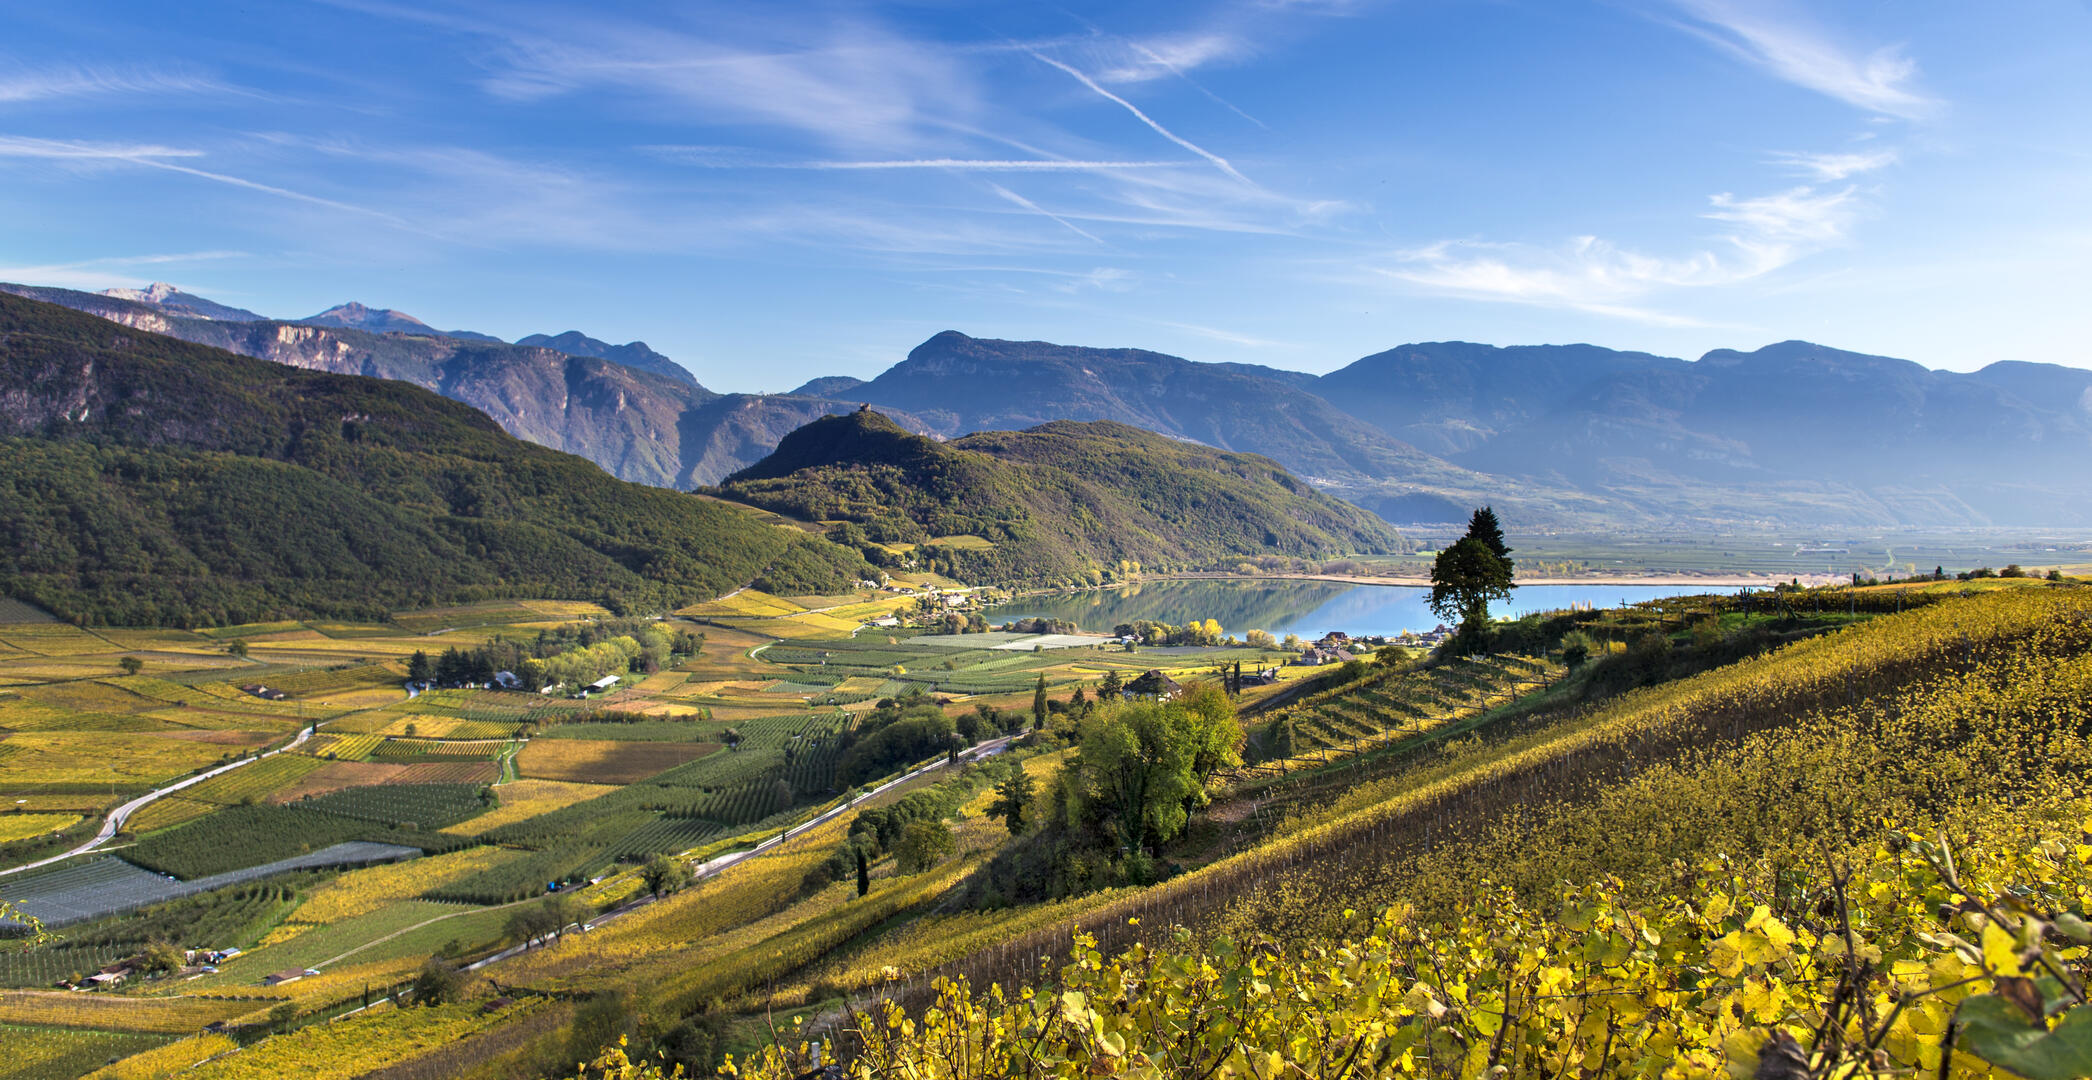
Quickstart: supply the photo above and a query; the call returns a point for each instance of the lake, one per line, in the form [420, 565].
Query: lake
[1306, 608]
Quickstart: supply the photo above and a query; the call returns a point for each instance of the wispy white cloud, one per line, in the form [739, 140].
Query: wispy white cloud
[1831, 168]
[106, 272]
[1111, 279]
[1790, 48]
[1228, 336]
[161, 157]
[714, 158]
[1168, 56]
[1177, 57]
[20, 83]
[1219, 162]
[1589, 274]
[1035, 208]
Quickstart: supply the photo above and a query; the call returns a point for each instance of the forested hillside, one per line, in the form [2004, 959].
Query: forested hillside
[151, 481]
[1057, 503]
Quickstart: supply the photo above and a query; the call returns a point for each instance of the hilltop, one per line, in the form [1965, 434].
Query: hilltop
[152, 481]
[1055, 503]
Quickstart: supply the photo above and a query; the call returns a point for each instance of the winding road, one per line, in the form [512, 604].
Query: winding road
[113, 824]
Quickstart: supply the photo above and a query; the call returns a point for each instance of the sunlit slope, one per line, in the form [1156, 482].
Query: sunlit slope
[153, 482]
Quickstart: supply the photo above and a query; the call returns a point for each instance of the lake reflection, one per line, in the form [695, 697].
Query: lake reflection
[1307, 608]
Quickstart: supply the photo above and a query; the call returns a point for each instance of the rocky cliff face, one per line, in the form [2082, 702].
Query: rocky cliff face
[637, 425]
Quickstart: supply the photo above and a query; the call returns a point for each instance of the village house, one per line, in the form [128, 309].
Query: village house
[1153, 685]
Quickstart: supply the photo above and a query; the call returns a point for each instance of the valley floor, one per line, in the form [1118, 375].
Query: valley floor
[1347, 787]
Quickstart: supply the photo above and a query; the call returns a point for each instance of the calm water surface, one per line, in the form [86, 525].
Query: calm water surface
[1307, 608]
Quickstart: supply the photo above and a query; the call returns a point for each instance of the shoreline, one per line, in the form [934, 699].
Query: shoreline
[1715, 581]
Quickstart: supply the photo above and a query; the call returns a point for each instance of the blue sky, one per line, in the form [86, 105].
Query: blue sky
[768, 192]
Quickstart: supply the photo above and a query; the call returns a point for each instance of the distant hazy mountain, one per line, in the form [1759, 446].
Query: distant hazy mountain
[634, 354]
[1793, 432]
[1573, 436]
[354, 316]
[176, 302]
[829, 386]
[959, 384]
[1056, 504]
[158, 482]
[956, 384]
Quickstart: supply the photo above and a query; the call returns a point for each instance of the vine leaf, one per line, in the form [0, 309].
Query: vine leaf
[1999, 1032]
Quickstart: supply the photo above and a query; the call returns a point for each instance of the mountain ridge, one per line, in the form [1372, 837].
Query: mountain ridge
[636, 424]
[1067, 502]
[152, 481]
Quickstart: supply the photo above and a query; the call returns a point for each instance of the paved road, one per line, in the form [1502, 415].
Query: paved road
[114, 823]
[721, 864]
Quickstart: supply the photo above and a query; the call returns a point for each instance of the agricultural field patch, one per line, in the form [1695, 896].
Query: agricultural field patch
[326, 683]
[243, 630]
[24, 826]
[352, 1047]
[421, 806]
[566, 610]
[809, 624]
[59, 1053]
[403, 748]
[55, 639]
[961, 542]
[489, 613]
[166, 813]
[605, 761]
[743, 604]
[49, 760]
[338, 775]
[665, 729]
[353, 631]
[241, 837]
[435, 726]
[342, 747]
[526, 799]
[192, 718]
[245, 740]
[113, 1012]
[166, 1059]
[180, 642]
[360, 892]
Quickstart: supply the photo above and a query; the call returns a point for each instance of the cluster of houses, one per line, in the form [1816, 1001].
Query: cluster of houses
[507, 680]
[1337, 647]
[204, 961]
[263, 692]
[1333, 648]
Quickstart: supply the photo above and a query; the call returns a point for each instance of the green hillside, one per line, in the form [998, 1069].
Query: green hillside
[1059, 503]
[145, 480]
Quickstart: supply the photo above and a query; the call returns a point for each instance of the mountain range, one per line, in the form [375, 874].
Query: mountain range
[150, 481]
[1054, 503]
[618, 409]
[1568, 436]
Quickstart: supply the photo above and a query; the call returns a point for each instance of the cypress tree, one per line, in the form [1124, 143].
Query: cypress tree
[1038, 705]
[864, 873]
